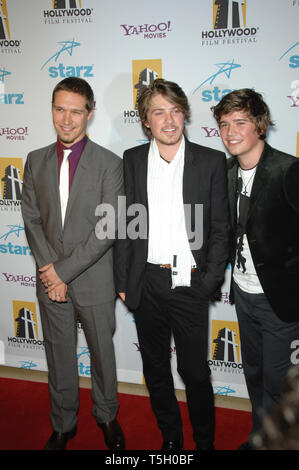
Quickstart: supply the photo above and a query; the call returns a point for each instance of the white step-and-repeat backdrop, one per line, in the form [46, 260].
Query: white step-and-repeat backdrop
[208, 47]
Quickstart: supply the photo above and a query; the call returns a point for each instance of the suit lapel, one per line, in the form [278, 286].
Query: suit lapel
[259, 187]
[232, 192]
[141, 165]
[188, 173]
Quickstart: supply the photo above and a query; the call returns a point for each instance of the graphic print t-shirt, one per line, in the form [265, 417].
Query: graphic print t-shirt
[244, 271]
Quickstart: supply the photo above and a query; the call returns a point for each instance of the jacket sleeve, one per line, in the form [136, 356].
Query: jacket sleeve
[122, 244]
[218, 241]
[41, 249]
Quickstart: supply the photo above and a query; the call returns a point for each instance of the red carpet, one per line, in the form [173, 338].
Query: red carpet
[24, 421]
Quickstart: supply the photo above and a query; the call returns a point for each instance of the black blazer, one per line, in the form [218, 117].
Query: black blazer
[272, 228]
[204, 182]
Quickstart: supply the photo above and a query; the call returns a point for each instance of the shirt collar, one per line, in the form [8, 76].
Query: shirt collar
[76, 148]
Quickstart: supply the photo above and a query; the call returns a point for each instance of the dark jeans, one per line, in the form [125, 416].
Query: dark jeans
[182, 311]
[266, 351]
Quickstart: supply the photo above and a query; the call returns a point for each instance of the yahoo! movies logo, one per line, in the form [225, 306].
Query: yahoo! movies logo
[68, 12]
[8, 239]
[11, 181]
[24, 280]
[7, 44]
[229, 24]
[147, 31]
[60, 70]
[14, 133]
[216, 93]
[144, 72]
[8, 98]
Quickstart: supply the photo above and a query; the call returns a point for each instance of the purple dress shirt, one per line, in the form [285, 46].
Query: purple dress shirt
[74, 157]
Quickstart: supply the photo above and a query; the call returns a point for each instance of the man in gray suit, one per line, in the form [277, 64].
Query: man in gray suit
[75, 267]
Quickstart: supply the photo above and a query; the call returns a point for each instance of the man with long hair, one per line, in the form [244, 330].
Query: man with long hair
[168, 276]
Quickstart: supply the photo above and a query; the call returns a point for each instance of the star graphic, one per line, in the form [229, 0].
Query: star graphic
[224, 67]
[16, 229]
[290, 48]
[3, 73]
[27, 364]
[67, 46]
[224, 391]
[84, 350]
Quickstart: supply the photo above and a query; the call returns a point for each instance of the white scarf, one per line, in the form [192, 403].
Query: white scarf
[168, 241]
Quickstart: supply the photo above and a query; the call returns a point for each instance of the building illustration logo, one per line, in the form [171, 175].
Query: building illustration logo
[26, 334]
[226, 348]
[25, 319]
[225, 345]
[229, 14]
[229, 24]
[66, 4]
[67, 11]
[144, 72]
[7, 43]
[4, 26]
[11, 172]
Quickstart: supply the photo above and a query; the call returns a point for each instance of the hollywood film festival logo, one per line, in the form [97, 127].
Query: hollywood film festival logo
[68, 12]
[8, 45]
[144, 72]
[229, 24]
[11, 181]
[226, 349]
[25, 326]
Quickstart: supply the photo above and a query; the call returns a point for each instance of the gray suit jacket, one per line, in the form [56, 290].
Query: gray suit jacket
[80, 259]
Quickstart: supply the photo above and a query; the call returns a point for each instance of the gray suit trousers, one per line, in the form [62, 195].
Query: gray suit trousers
[59, 321]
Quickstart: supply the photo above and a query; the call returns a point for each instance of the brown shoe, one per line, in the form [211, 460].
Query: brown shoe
[113, 435]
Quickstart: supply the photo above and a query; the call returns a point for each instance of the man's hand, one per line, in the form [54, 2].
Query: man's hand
[58, 294]
[122, 296]
[49, 277]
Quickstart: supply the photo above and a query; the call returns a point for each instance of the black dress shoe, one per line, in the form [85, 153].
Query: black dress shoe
[113, 435]
[58, 440]
[246, 446]
[210, 447]
[172, 445]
